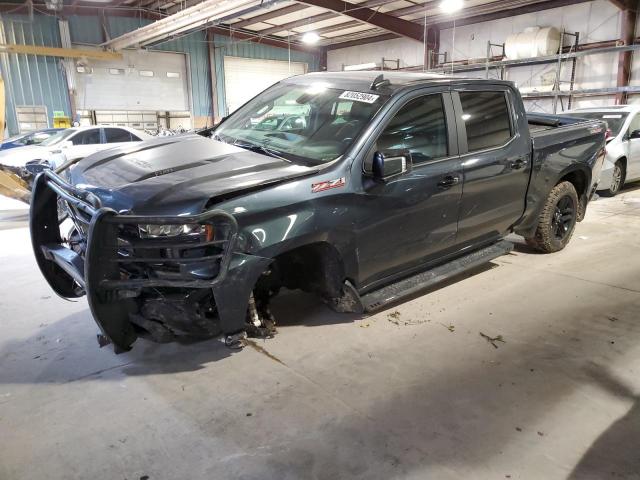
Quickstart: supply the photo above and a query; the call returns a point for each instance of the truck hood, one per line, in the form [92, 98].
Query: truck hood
[177, 175]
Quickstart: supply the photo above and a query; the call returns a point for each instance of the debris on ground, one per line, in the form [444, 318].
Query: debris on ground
[451, 328]
[612, 319]
[518, 429]
[394, 317]
[365, 325]
[493, 340]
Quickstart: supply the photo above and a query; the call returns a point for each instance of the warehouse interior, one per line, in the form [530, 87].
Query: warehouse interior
[522, 367]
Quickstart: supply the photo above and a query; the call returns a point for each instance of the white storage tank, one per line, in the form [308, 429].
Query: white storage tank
[532, 42]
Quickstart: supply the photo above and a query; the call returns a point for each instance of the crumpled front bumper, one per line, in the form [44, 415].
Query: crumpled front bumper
[98, 269]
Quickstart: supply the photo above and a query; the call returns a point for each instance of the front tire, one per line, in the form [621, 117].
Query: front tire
[557, 221]
[617, 180]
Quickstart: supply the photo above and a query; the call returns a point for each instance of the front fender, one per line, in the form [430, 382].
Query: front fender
[232, 295]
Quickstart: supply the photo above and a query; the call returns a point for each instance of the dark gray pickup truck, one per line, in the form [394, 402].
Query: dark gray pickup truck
[360, 187]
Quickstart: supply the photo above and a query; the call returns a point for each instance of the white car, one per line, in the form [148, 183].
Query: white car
[622, 161]
[70, 144]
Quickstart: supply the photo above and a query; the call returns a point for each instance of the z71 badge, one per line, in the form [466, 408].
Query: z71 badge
[329, 184]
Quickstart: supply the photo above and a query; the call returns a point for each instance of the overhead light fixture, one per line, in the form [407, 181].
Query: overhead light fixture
[451, 6]
[310, 38]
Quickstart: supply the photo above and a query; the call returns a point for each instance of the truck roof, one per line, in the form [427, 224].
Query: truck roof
[362, 79]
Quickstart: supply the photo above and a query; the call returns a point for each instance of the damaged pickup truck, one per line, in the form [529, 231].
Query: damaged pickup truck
[360, 187]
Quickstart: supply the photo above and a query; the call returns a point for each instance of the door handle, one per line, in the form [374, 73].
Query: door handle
[518, 164]
[448, 181]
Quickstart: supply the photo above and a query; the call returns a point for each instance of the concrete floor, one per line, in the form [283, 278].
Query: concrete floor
[412, 392]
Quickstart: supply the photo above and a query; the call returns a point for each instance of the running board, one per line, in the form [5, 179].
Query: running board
[408, 286]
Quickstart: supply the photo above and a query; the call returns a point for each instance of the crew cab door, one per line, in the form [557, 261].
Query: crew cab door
[404, 221]
[496, 161]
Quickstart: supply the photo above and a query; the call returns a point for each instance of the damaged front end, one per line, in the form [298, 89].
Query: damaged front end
[153, 276]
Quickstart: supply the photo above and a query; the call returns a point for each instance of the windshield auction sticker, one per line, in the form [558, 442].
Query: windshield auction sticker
[359, 97]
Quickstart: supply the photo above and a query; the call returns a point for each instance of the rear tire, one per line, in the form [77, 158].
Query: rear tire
[617, 180]
[557, 221]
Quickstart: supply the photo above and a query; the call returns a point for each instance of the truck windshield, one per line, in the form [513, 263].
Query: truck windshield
[615, 120]
[309, 124]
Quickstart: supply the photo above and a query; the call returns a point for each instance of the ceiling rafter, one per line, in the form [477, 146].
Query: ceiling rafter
[476, 14]
[359, 11]
[270, 15]
[626, 4]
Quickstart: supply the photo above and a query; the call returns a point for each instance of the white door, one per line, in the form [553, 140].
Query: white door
[85, 142]
[633, 160]
[142, 81]
[244, 78]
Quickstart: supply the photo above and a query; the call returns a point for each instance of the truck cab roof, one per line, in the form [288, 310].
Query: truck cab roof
[394, 80]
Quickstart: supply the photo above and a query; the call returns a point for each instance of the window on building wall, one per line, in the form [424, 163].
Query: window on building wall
[31, 117]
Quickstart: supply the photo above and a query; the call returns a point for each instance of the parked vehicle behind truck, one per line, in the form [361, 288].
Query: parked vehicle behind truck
[622, 161]
[394, 183]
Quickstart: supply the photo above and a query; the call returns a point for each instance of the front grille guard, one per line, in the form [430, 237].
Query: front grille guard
[108, 256]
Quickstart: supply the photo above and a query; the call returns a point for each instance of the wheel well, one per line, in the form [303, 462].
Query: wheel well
[579, 180]
[623, 160]
[316, 267]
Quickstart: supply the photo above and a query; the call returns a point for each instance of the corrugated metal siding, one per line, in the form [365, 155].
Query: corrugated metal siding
[226, 46]
[32, 79]
[85, 29]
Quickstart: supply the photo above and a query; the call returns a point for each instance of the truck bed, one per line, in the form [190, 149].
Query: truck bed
[558, 143]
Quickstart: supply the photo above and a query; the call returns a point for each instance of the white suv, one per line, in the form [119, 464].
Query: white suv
[70, 144]
[622, 162]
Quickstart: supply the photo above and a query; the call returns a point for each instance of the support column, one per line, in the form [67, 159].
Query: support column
[323, 59]
[211, 48]
[627, 34]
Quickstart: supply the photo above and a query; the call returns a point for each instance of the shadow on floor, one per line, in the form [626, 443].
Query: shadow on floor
[72, 339]
[615, 453]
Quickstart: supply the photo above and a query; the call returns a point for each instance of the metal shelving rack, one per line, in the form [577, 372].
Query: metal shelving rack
[557, 94]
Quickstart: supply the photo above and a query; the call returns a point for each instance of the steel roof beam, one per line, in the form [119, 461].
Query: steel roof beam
[270, 15]
[353, 10]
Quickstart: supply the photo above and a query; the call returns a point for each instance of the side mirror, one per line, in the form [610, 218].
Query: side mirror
[634, 134]
[390, 165]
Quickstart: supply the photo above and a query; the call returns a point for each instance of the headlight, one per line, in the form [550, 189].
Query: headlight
[151, 231]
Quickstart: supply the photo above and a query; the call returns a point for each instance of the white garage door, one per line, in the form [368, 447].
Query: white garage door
[142, 80]
[244, 78]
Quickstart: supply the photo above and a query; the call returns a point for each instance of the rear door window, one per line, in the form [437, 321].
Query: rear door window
[87, 137]
[117, 135]
[487, 119]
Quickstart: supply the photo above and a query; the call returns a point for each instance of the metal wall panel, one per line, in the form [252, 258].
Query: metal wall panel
[227, 46]
[32, 79]
[85, 29]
